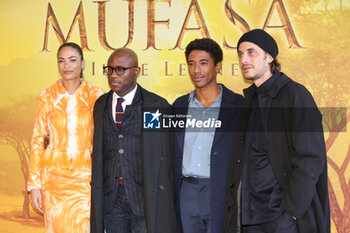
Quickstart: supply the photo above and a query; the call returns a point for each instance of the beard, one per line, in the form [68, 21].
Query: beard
[259, 71]
[257, 74]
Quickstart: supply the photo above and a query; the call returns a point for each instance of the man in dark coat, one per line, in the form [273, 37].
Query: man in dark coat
[132, 176]
[202, 154]
[277, 179]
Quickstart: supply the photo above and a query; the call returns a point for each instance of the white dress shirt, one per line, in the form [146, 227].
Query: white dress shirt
[127, 100]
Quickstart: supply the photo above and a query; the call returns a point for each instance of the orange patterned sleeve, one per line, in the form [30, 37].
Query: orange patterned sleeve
[38, 142]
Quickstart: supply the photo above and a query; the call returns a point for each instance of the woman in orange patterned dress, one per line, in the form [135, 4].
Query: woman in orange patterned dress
[60, 161]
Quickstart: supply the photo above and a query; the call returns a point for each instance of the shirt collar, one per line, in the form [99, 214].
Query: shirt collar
[267, 84]
[128, 97]
[191, 97]
[62, 92]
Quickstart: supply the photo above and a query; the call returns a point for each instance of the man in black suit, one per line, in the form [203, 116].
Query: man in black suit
[277, 180]
[132, 177]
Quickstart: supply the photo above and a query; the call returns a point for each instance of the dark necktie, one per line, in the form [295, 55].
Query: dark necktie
[119, 113]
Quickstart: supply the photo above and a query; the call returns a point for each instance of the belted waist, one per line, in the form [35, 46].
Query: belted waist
[195, 180]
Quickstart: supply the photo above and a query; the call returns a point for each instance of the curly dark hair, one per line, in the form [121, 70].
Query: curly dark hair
[207, 45]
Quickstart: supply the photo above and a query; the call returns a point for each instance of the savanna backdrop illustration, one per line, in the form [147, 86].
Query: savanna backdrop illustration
[313, 38]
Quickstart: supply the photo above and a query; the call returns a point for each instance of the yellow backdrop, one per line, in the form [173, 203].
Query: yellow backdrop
[313, 38]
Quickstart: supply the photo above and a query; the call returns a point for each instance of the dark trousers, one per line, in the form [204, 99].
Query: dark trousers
[194, 205]
[283, 224]
[121, 219]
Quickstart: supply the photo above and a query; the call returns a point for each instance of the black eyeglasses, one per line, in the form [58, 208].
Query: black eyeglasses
[119, 70]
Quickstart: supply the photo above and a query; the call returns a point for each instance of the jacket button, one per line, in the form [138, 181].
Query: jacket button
[161, 187]
[232, 185]
[238, 161]
[285, 173]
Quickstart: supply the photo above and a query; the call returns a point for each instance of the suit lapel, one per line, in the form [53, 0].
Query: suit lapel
[99, 112]
[227, 110]
[151, 140]
[180, 132]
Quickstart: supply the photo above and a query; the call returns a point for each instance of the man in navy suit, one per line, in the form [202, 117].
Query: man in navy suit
[203, 146]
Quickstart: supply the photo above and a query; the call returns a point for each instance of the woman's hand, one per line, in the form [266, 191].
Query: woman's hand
[37, 200]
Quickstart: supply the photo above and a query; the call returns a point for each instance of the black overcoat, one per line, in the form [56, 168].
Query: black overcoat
[295, 147]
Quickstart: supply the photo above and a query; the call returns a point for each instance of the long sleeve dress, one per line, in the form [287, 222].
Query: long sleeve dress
[62, 170]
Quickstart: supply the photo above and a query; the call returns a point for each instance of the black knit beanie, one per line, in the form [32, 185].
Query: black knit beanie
[262, 39]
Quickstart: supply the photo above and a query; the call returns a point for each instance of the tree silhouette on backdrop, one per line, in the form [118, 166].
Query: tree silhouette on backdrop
[324, 68]
[16, 128]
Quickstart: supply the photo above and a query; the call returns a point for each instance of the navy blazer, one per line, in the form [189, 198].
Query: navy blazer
[230, 108]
